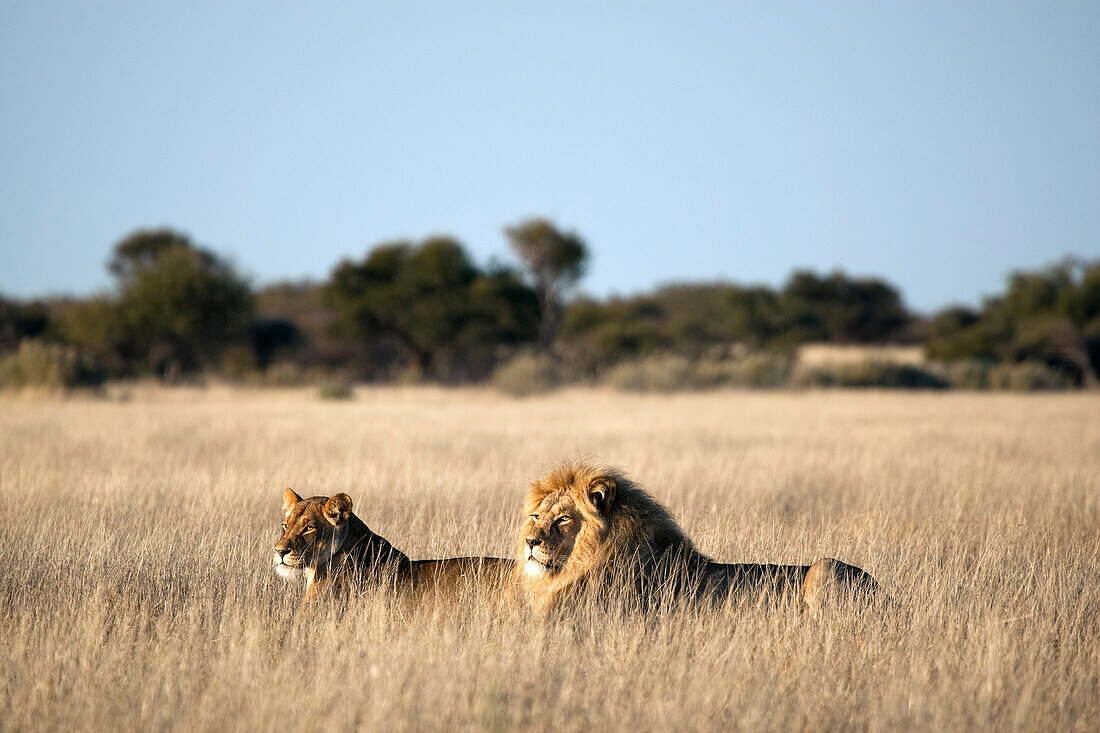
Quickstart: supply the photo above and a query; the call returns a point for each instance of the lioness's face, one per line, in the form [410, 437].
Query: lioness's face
[313, 530]
[550, 534]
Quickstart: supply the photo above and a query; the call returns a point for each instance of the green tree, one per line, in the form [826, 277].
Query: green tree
[840, 309]
[432, 300]
[596, 334]
[556, 260]
[179, 304]
[1051, 316]
[700, 316]
[693, 320]
[96, 328]
[19, 321]
[951, 321]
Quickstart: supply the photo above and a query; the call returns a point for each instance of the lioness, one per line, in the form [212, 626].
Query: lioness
[323, 540]
[586, 526]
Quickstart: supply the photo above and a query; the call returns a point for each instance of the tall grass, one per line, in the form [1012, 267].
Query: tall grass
[137, 593]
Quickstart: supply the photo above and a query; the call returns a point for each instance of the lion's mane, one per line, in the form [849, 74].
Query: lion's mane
[635, 531]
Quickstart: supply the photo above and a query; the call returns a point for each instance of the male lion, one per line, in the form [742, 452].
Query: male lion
[588, 527]
[323, 540]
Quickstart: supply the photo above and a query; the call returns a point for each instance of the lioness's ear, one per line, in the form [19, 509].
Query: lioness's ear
[289, 500]
[337, 509]
[602, 492]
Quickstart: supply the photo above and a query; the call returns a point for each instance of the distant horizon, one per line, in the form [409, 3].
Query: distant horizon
[505, 256]
[938, 145]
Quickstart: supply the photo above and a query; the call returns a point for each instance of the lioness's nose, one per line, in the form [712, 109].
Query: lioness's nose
[533, 542]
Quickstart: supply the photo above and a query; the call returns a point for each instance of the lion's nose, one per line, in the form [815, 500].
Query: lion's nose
[533, 542]
[281, 552]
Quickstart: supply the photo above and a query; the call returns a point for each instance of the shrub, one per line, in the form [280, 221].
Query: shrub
[665, 373]
[237, 363]
[49, 366]
[870, 373]
[754, 371]
[1027, 376]
[333, 390]
[968, 374]
[526, 374]
[283, 374]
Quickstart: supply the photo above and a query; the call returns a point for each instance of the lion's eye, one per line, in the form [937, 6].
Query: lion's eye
[284, 526]
[307, 530]
[535, 517]
[562, 521]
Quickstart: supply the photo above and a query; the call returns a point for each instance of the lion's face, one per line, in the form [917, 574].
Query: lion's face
[573, 506]
[314, 529]
[550, 534]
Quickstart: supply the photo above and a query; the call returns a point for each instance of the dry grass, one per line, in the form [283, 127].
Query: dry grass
[137, 594]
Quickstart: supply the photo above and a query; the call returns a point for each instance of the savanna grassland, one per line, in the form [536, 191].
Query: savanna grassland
[137, 592]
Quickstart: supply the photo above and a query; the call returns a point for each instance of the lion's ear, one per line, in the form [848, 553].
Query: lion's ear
[289, 500]
[601, 492]
[337, 509]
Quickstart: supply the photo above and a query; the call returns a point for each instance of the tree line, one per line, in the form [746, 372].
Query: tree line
[426, 310]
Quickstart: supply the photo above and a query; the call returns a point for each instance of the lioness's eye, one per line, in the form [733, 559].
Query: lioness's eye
[535, 517]
[284, 526]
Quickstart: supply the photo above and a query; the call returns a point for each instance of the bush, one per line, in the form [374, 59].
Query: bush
[283, 374]
[526, 374]
[665, 373]
[1027, 376]
[335, 391]
[669, 373]
[754, 371]
[48, 366]
[237, 363]
[870, 373]
[968, 374]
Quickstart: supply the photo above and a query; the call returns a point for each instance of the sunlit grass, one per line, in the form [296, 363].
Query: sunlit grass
[137, 593]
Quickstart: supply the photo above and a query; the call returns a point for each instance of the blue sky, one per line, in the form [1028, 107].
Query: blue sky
[938, 145]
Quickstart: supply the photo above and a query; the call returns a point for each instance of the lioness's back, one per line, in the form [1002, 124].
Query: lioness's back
[454, 575]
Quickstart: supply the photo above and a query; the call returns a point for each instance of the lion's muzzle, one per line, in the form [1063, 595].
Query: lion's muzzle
[539, 563]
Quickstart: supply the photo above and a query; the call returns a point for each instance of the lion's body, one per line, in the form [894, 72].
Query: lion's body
[812, 583]
[337, 552]
[588, 528]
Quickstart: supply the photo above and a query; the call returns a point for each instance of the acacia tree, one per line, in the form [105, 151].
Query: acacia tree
[432, 300]
[556, 260]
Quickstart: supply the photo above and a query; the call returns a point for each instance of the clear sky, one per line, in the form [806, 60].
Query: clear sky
[938, 145]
